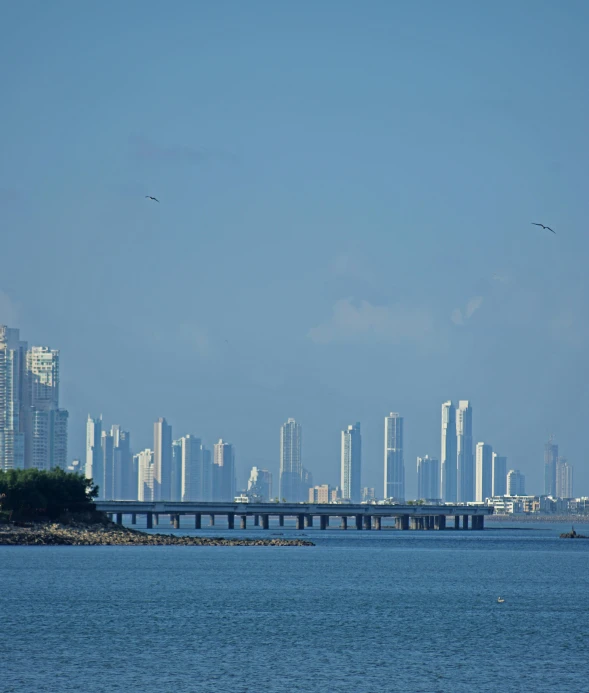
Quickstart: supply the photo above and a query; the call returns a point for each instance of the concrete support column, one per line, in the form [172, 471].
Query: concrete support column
[441, 522]
[344, 524]
[211, 520]
[281, 520]
[133, 518]
[300, 522]
[231, 520]
[256, 520]
[456, 521]
[265, 521]
[358, 521]
[243, 523]
[465, 522]
[377, 522]
[119, 518]
[149, 520]
[367, 522]
[404, 522]
[431, 522]
[308, 520]
[176, 521]
[156, 519]
[413, 522]
[197, 521]
[323, 521]
[478, 522]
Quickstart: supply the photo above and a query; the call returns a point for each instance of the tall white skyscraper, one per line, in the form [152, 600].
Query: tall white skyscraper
[351, 463]
[448, 456]
[145, 467]
[499, 475]
[223, 472]
[484, 471]
[194, 474]
[94, 456]
[291, 468]
[550, 463]
[516, 483]
[394, 463]
[176, 482]
[162, 462]
[260, 484]
[564, 478]
[124, 476]
[464, 452]
[428, 478]
[13, 394]
[108, 457]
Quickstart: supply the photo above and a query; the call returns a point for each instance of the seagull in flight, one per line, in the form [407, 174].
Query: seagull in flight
[149, 197]
[544, 227]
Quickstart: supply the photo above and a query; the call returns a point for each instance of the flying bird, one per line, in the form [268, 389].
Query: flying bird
[544, 227]
[149, 197]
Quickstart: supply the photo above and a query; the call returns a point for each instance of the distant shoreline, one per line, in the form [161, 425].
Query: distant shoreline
[110, 534]
[562, 519]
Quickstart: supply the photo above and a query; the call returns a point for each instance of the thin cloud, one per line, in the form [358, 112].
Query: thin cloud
[358, 321]
[459, 316]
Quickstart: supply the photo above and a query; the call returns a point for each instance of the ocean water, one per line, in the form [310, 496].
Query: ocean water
[367, 612]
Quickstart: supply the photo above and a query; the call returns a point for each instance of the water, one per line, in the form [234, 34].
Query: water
[362, 612]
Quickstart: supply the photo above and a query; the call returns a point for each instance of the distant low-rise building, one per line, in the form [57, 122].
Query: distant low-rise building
[320, 494]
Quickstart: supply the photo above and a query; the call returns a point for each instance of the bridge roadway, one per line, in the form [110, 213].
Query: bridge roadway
[364, 516]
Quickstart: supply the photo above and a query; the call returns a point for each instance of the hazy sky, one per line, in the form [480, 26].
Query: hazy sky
[344, 230]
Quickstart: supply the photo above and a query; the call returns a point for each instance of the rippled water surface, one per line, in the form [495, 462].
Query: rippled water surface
[360, 612]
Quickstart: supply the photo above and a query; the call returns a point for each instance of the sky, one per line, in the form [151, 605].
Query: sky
[344, 229]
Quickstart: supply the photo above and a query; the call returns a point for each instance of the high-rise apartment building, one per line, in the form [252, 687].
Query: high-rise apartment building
[176, 480]
[162, 461]
[351, 463]
[223, 472]
[516, 483]
[550, 460]
[94, 454]
[195, 475]
[499, 475]
[291, 467]
[260, 484]
[108, 454]
[564, 478]
[428, 478]
[394, 463]
[320, 494]
[448, 456]
[368, 494]
[13, 394]
[484, 472]
[464, 452]
[145, 469]
[124, 475]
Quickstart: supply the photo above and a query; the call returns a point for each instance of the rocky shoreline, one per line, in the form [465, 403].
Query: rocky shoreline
[101, 534]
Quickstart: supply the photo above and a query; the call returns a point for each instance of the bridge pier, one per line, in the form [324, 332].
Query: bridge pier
[231, 520]
[323, 521]
[243, 522]
[176, 521]
[300, 521]
[367, 522]
[403, 521]
[197, 520]
[344, 524]
[133, 518]
[377, 522]
[211, 520]
[431, 522]
[256, 520]
[265, 521]
[149, 520]
[119, 517]
[308, 520]
[456, 521]
[281, 520]
[465, 522]
[478, 522]
[440, 522]
[156, 519]
[358, 521]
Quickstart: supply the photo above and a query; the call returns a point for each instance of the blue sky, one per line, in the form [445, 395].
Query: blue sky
[344, 230]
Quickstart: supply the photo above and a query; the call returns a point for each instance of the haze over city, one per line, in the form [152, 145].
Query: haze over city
[344, 230]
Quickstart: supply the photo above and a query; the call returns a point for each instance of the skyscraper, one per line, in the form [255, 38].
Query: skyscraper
[176, 482]
[260, 484]
[484, 472]
[448, 457]
[516, 483]
[550, 459]
[108, 454]
[12, 399]
[223, 472]
[162, 460]
[394, 463]
[194, 474]
[464, 452]
[564, 478]
[428, 478]
[94, 456]
[291, 468]
[124, 476]
[351, 463]
[145, 469]
[499, 475]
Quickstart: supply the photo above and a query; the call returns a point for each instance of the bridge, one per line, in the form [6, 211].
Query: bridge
[362, 516]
